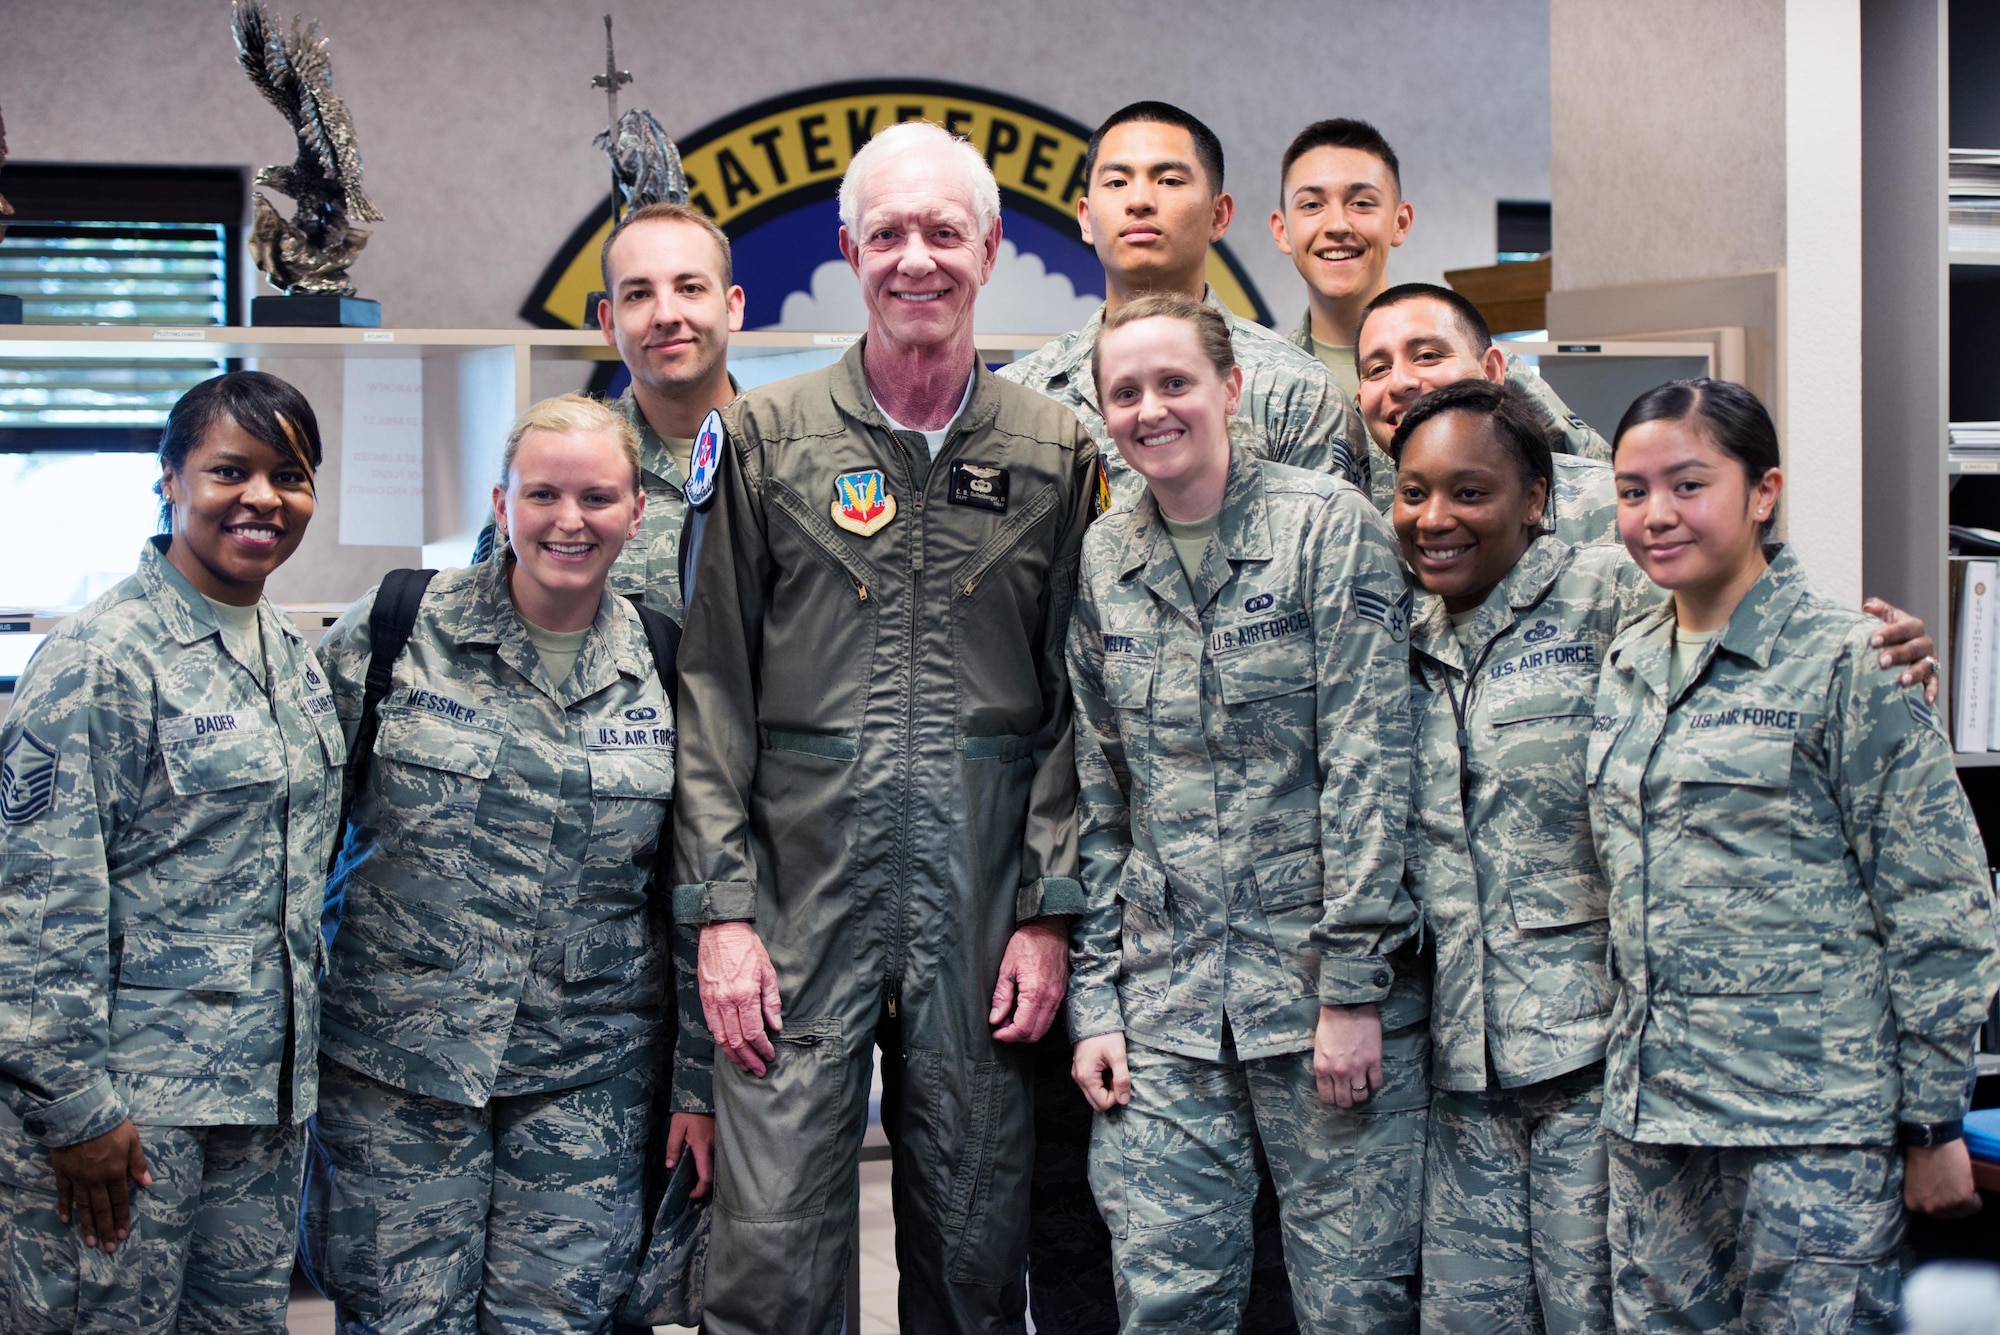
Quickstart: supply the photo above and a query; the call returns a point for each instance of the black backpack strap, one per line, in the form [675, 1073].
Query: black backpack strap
[390, 623]
[663, 636]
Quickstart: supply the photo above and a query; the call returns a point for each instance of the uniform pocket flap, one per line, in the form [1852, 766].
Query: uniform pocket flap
[430, 739]
[217, 761]
[1742, 966]
[1559, 899]
[1266, 670]
[1745, 757]
[604, 948]
[187, 961]
[1143, 885]
[1291, 880]
[1128, 672]
[1528, 705]
[644, 774]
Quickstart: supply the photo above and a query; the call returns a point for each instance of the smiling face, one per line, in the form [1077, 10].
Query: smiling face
[917, 249]
[569, 506]
[1169, 410]
[1341, 216]
[1690, 516]
[240, 509]
[1406, 351]
[669, 311]
[1463, 513]
[1150, 212]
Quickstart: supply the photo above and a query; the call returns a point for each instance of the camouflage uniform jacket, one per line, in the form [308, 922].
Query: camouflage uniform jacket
[649, 568]
[1803, 937]
[1296, 414]
[497, 937]
[1499, 852]
[1242, 799]
[165, 820]
[1583, 503]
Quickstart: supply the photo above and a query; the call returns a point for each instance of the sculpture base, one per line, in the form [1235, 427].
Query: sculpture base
[10, 310]
[350, 312]
[590, 310]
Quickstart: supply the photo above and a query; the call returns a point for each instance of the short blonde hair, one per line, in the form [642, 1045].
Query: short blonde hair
[567, 415]
[1211, 327]
[908, 135]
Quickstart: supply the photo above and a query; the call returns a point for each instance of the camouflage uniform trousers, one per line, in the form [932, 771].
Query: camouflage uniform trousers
[1514, 1205]
[522, 1216]
[210, 1250]
[1175, 1172]
[1787, 1240]
[1071, 1290]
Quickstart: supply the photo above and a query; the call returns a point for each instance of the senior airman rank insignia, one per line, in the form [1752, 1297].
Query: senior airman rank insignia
[704, 461]
[27, 779]
[862, 503]
[1391, 614]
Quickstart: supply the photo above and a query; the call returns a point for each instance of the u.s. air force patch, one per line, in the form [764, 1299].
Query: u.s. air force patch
[1391, 614]
[27, 779]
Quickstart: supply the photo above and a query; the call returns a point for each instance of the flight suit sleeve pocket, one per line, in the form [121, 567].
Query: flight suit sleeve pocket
[220, 762]
[187, 961]
[1559, 899]
[594, 953]
[1291, 881]
[1266, 670]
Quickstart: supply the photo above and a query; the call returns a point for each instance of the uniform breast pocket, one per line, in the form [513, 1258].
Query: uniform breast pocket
[1128, 670]
[1272, 719]
[1753, 1010]
[427, 779]
[173, 1012]
[245, 753]
[629, 790]
[1736, 811]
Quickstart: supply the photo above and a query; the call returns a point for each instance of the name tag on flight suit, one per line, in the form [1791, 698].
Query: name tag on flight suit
[980, 485]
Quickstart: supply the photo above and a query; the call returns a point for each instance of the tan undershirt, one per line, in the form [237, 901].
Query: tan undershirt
[682, 452]
[1191, 541]
[241, 634]
[1461, 624]
[1688, 645]
[558, 649]
[1338, 359]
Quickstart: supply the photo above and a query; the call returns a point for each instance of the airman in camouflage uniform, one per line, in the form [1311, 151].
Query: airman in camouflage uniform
[1296, 414]
[1500, 858]
[1241, 810]
[166, 811]
[1803, 946]
[495, 994]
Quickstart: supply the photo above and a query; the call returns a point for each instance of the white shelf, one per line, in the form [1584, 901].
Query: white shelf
[1974, 257]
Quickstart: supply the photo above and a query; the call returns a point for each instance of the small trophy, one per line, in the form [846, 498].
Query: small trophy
[645, 165]
[307, 258]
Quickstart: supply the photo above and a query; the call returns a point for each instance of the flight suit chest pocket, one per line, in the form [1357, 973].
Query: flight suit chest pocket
[214, 752]
[429, 773]
[1735, 804]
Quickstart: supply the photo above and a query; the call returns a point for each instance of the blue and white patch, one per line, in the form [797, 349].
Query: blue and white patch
[1258, 602]
[1391, 614]
[318, 695]
[1543, 629]
[705, 462]
[27, 779]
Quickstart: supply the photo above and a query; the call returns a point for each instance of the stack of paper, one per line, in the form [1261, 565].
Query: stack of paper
[1975, 440]
[1974, 218]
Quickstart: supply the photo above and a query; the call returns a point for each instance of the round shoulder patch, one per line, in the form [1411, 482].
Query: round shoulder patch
[705, 462]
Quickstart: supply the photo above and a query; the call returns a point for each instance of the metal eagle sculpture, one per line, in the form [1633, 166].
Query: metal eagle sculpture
[310, 255]
[645, 165]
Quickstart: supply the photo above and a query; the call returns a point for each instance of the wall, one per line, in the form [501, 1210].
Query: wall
[1711, 139]
[475, 116]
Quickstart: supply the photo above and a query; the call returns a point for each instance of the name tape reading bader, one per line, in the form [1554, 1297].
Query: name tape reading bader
[184, 728]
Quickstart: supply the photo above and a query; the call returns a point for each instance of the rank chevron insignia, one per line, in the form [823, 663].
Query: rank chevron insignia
[27, 779]
[862, 503]
[1391, 614]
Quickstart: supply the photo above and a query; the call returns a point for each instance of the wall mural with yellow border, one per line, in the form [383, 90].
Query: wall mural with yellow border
[769, 174]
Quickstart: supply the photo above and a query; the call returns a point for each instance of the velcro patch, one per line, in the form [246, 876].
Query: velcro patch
[1391, 614]
[27, 779]
[184, 728]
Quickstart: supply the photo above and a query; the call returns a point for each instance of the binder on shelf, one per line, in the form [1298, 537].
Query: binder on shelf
[1973, 659]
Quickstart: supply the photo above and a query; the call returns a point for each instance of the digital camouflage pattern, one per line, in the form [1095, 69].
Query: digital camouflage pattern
[1499, 851]
[877, 768]
[211, 1247]
[496, 936]
[1258, 886]
[1803, 933]
[1515, 1197]
[166, 826]
[1798, 1240]
[522, 1216]
[1583, 503]
[1175, 1171]
[1295, 413]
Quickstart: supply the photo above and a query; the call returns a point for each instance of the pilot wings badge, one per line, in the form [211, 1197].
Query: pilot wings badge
[862, 503]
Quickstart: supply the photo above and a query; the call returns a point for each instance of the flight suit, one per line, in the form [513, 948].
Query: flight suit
[496, 991]
[1243, 768]
[1500, 857]
[877, 771]
[166, 812]
[1803, 946]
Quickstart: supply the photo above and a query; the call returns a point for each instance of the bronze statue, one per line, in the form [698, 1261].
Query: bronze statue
[645, 165]
[310, 255]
